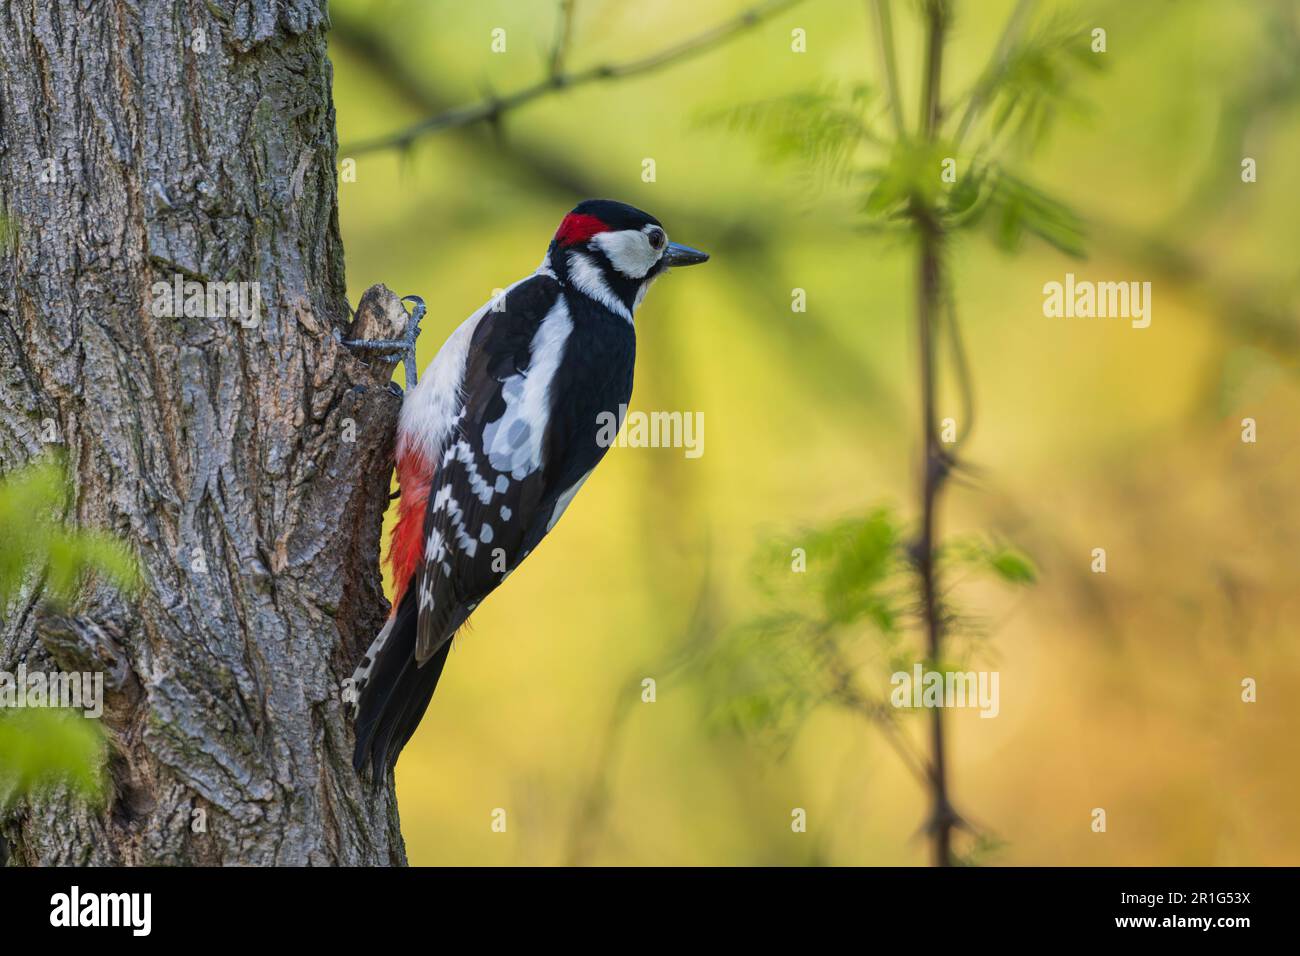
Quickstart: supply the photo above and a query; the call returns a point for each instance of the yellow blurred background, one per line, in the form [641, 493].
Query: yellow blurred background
[1120, 691]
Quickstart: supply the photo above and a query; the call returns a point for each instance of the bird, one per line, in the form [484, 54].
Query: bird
[494, 440]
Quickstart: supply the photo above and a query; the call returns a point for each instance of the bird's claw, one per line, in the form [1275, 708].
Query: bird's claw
[403, 346]
[412, 333]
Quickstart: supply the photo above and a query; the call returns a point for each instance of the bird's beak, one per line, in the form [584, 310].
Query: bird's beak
[679, 255]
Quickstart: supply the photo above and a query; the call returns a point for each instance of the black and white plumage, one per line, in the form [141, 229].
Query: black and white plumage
[494, 443]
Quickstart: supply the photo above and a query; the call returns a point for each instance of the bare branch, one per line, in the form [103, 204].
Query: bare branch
[929, 294]
[493, 108]
[563, 31]
[888, 61]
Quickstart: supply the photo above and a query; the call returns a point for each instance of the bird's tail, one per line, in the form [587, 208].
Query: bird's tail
[391, 691]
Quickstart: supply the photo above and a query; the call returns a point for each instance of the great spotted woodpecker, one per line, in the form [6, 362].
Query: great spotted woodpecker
[493, 443]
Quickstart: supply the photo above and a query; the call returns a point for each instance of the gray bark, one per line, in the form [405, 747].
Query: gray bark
[126, 157]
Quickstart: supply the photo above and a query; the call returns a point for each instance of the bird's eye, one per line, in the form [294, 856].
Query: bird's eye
[657, 239]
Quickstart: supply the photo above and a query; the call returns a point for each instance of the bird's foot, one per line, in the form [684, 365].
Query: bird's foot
[403, 346]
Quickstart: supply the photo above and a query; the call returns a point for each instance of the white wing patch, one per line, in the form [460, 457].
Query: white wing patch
[481, 489]
[430, 411]
[513, 443]
[443, 501]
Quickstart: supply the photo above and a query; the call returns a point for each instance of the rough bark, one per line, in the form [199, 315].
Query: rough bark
[222, 453]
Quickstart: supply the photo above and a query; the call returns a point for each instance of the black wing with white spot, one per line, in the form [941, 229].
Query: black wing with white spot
[493, 475]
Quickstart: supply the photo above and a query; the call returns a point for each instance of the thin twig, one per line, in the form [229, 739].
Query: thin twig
[961, 366]
[888, 61]
[563, 32]
[881, 717]
[929, 296]
[494, 108]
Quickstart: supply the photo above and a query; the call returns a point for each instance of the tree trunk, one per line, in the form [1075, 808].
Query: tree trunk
[247, 462]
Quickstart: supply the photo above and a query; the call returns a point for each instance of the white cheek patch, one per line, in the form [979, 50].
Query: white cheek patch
[629, 251]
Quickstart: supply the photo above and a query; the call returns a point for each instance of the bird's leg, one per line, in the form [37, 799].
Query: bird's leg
[404, 346]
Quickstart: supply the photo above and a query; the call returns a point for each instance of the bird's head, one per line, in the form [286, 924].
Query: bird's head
[611, 252]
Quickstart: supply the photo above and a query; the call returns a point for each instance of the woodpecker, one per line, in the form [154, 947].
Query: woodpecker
[494, 440]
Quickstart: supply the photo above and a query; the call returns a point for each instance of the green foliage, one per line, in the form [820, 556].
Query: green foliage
[829, 633]
[33, 538]
[898, 180]
[43, 747]
[849, 562]
[768, 685]
[1036, 82]
[984, 847]
[1007, 207]
[792, 657]
[908, 178]
[986, 554]
[822, 128]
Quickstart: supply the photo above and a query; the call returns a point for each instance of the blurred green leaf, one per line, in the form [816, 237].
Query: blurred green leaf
[849, 562]
[1009, 207]
[45, 746]
[822, 586]
[910, 177]
[1013, 567]
[42, 747]
[767, 686]
[862, 556]
[822, 128]
[1036, 82]
[34, 538]
[983, 554]
[842, 617]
